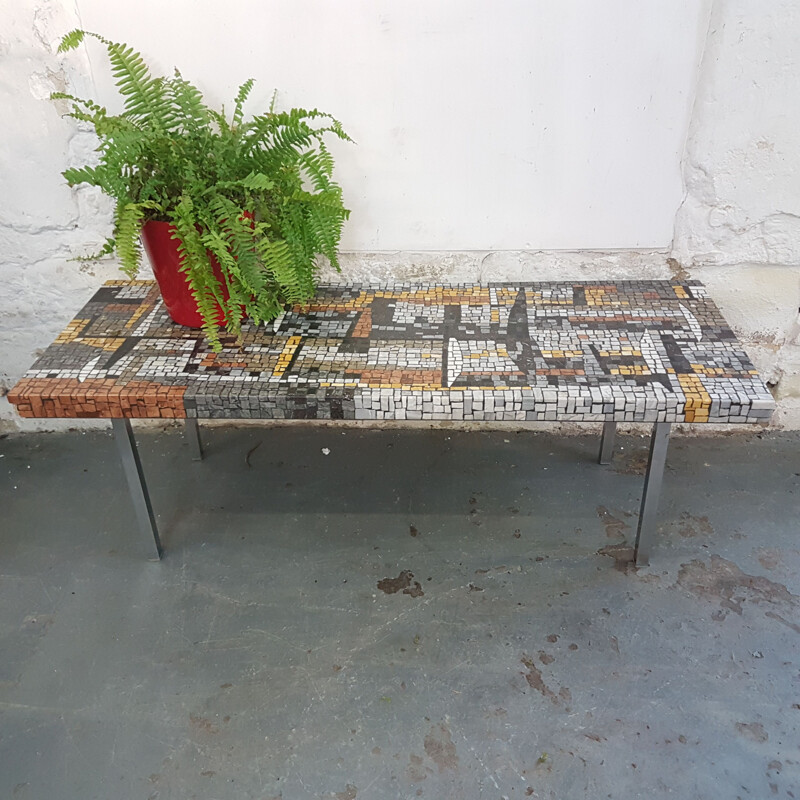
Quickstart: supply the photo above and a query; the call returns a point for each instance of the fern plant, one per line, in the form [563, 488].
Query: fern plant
[258, 193]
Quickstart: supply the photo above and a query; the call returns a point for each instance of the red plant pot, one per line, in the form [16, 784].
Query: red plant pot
[165, 259]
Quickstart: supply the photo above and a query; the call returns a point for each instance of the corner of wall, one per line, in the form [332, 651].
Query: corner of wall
[738, 227]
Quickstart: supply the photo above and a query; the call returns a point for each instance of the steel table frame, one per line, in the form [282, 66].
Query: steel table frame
[653, 352]
[645, 533]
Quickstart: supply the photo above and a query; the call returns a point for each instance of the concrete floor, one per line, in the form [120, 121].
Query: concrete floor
[416, 613]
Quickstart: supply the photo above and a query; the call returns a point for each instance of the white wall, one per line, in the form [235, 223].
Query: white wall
[738, 229]
[42, 222]
[489, 136]
[741, 166]
[481, 125]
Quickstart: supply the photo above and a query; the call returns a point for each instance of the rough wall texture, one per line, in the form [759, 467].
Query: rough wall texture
[741, 166]
[42, 222]
[738, 229]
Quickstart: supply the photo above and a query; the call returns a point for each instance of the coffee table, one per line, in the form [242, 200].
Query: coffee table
[656, 352]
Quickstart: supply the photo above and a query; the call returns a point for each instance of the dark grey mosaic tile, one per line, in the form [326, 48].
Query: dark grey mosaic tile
[576, 351]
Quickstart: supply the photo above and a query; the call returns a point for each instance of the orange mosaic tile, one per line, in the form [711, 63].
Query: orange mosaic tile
[584, 351]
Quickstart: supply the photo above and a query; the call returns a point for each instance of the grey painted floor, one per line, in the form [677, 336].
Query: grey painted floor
[265, 656]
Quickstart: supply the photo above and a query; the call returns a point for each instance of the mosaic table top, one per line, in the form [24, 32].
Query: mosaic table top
[645, 351]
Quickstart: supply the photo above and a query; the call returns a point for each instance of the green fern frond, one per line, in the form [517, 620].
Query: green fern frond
[89, 104]
[221, 121]
[330, 198]
[94, 176]
[127, 228]
[71, 40]
[108, 248]
[258, 181]
[336, 128]
[241, 98]
[258, 196]
[276, 256]
[318, 166]
[143, 95]
[232, 237]
[194, 264]
[188, 101]
[217, 247]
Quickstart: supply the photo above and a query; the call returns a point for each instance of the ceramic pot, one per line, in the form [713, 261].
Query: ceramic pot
[165, 259]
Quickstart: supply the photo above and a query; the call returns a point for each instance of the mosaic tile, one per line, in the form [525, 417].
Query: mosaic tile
[639, 351]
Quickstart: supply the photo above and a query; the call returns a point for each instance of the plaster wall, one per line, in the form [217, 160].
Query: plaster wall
[738, 227]
[486, 141]
[480, 126]
[42, 222]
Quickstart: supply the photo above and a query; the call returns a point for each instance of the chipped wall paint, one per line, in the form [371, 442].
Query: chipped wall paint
[733, 221]
[42, 222]
[741, 166]
[738, 228]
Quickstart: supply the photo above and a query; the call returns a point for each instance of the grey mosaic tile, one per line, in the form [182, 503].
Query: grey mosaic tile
[571, 350]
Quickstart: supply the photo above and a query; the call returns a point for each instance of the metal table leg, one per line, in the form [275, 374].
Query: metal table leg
[136, 483]
[652, 491]
[192, 432]
[607, 443]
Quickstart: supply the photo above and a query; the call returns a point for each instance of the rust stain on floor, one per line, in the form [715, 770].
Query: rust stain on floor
[722, 581]
[416, 770]
[632, 463]
[535, 680]
[403, 582]
[201, 724]
[440, 748]
[691, 526]
[793, 626]
[753, 731]
[615, 527]
[769, 557]
[622, 555]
